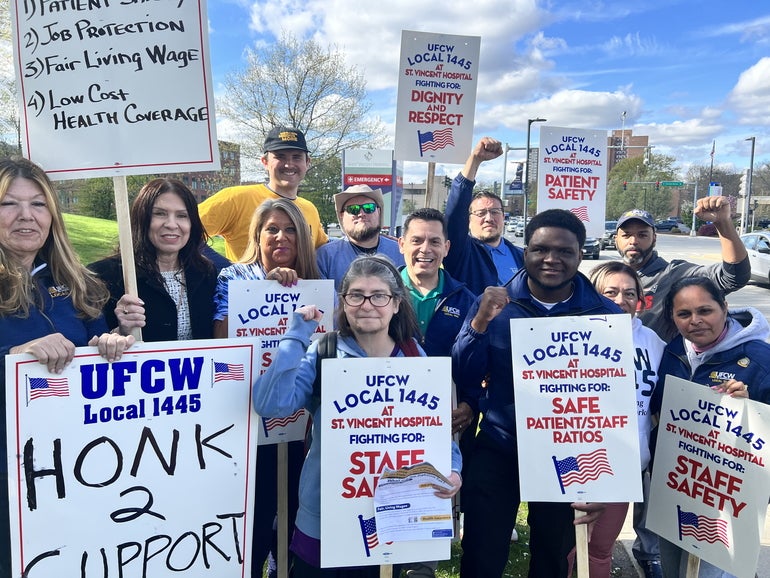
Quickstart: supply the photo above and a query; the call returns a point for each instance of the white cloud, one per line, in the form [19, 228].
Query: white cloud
[751, 95]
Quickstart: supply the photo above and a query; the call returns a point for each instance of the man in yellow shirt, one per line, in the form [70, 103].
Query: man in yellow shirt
[228, 212]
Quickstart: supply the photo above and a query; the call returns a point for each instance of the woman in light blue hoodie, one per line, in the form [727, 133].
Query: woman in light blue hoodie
[375, 319]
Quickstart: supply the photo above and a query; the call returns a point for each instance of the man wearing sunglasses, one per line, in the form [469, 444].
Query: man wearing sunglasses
[480, 256]
[359, 208]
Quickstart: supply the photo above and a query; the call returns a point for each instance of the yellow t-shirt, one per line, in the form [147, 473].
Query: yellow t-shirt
[228, 214]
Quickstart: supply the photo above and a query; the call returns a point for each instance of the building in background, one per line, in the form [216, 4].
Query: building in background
[624, 145]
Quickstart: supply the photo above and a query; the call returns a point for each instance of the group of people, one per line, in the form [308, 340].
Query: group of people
[448, 286]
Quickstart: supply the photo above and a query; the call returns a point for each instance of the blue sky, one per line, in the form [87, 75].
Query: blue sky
[687, 72]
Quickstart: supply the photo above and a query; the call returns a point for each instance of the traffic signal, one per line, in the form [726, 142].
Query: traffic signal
[657, 185]
[742, 186]
[625, 185]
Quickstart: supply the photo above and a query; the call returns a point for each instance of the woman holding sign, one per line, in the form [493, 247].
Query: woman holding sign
[49, 303]
[619, 283]
[175, 280]
[723, 349]
[375, 319]
[280, 248]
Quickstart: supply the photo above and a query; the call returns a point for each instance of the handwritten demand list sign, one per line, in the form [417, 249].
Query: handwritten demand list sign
[109, 87]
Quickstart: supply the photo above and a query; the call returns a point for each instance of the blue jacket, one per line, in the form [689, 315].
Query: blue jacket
[742, 355]
[57, 315]
[451, 308]
[487, 356]
[287, 386]
[469, 260]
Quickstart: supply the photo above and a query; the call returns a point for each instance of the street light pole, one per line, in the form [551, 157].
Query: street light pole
[747, 202]
[525, 184]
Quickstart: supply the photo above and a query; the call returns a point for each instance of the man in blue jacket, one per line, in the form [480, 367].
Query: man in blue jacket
[441, 304]
[549, 285]
[480, 256]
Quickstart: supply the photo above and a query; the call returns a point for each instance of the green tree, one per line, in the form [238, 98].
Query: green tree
[641, 191]
[299, 83]
[321, 182]
[96, 197]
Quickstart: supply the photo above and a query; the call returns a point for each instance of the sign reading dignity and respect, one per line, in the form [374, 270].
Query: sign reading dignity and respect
[572, 174]
[141, 467]
[379, 413]
[576, 419]
[112, 88]
[262, 310]
[710, 482]
[438, 74]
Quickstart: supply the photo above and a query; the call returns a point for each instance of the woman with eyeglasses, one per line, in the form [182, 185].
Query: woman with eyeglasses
[360, 213]
[375, 319]
[620, 283]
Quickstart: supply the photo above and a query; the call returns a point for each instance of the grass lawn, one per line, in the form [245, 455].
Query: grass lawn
[518, 556]
[95, 239]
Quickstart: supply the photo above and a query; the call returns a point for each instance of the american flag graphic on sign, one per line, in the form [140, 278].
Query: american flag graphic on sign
[435, 140]
[228, 371]
[48, 387]
[702, 528]
[369, 533]
[270, 423]
[581, 213]
[582, 468]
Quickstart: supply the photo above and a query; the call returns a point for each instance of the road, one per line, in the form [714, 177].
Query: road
[701, 250]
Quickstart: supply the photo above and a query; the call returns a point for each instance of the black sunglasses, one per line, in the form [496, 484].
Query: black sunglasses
[367, 208]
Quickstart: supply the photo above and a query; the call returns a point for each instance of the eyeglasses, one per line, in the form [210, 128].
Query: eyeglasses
[629, 295]
[481, 213]
[367, 208]
[357, 299]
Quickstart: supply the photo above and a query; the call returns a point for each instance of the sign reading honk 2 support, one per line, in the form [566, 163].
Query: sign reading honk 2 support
[141, 467]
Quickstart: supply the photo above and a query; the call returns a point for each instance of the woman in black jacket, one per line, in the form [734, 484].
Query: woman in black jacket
[176, 281]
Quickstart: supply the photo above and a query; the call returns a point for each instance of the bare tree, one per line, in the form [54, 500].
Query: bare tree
[298, 83]
[10, 129]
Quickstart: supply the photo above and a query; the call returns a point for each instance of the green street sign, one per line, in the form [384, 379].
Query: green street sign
[672, 183]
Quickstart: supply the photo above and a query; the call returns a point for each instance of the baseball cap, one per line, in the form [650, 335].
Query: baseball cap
[637, 214]
[357, 191]
[283, 137]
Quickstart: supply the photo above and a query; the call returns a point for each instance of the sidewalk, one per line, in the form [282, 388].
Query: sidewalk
[625, 558]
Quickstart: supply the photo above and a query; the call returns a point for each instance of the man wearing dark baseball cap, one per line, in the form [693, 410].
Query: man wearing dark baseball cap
[286, 160]
[635, 242]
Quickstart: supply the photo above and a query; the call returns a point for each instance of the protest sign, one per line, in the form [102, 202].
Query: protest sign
[438, 74]
[262, 309]
[114, 88]
[710, 481]
[140, 467]
[576, 419]
[378, 413]
[572, 174]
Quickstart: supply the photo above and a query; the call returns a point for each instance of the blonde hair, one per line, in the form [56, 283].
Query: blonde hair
[305, 264]
[87, 292]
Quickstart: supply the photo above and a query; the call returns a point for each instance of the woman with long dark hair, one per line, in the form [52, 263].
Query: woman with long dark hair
[176, 281]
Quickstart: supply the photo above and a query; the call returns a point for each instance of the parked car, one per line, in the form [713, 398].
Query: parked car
[610, 231]
[668, 224]
[591, 248]
[758, 247]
